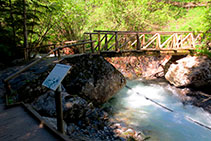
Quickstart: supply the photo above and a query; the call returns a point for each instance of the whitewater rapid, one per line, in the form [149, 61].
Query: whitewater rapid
[157, 122]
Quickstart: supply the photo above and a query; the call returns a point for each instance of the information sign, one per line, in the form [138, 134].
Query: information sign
[56, 76]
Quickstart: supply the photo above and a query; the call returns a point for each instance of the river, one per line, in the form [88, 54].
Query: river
[130, 107]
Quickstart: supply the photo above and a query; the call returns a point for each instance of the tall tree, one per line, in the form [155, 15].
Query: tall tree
[25, 30]
[12, 23]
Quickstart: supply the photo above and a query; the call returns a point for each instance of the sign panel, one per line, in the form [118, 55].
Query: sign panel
[56, 76]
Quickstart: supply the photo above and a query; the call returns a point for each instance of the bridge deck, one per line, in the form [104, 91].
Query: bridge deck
[146, 52]
[17, 124]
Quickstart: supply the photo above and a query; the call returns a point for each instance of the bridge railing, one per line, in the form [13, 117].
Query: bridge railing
[79, 44]
[129, 40]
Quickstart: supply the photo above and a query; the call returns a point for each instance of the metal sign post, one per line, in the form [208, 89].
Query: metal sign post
[53, 82]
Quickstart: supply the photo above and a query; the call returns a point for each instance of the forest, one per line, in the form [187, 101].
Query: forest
[110, 70]
[32, 23]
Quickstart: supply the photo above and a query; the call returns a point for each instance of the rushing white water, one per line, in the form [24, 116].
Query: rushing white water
[157, 122]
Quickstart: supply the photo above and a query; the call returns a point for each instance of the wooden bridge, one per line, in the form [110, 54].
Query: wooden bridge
[128, 43]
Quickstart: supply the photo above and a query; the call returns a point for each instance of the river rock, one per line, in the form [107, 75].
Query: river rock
[28, 85]
[45, 104]
[74, 107]
[148, 67]
[191, 71]
[93, 78]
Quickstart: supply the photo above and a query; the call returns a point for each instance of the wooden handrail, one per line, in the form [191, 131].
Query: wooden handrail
[176, 38]
[44, 46]
[151, 40]
[127, 42]
[100, 41]
[106, 44]
[136, 39]
[38, 60]
[167, 40]
[141, 32]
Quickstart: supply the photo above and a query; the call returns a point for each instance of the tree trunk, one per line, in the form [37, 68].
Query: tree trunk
[25, 31]
[13, 25]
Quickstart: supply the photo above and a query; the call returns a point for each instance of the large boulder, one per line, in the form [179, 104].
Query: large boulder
[93, 78]
[191, 71]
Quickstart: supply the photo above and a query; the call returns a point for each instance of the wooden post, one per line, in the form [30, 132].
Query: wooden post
[59, 110]
[116, 41]
[83, 46]
[91, 44]
[138, 42]
[54, 46]
[125, 47]
[193, 41]
[176, 40]
[58, 52]
[181, 41]
[106, 40]
[8, 91]
[99, 42]
[143, 41]
[158, 41]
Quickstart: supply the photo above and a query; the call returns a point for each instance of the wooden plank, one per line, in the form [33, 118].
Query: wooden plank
[2, 107]
[147, 52]
[45, 124]
[143, 32]
[16, 124]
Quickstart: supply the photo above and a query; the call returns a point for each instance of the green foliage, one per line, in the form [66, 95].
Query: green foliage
[191, 20]
[203, 49]
[190, 0]
[69, 20]
[129, 15]
[11, 26]
[53, 21]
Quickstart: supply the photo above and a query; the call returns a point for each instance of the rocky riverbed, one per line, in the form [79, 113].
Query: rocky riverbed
[90, 84]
